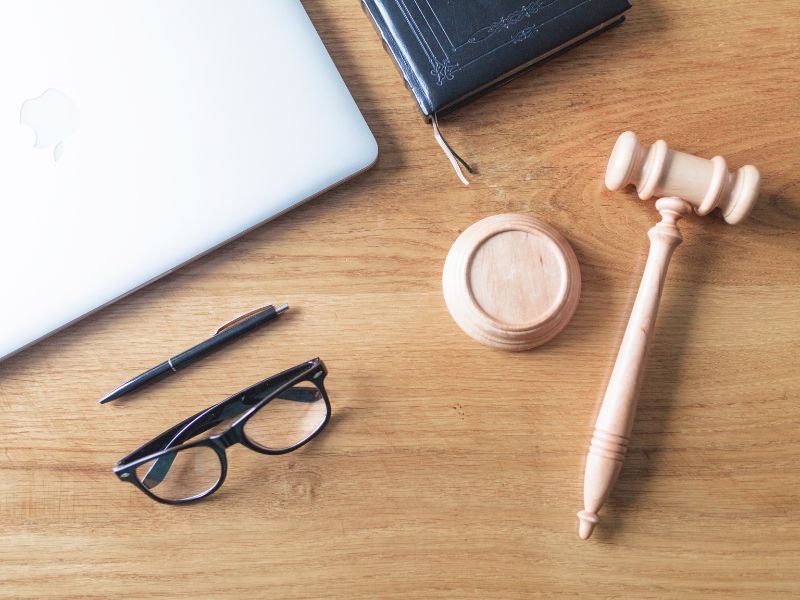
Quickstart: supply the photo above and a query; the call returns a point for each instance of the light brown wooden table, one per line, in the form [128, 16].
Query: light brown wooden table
[451, 470]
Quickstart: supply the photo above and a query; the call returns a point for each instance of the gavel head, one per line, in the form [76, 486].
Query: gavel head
[705, 184]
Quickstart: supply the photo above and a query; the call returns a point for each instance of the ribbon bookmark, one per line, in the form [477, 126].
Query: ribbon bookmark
[451, 154]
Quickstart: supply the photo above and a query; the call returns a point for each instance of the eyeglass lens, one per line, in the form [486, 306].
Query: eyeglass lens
[288, 419]
[181, 475]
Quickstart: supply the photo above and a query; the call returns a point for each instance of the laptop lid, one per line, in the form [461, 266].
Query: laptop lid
[135, 136]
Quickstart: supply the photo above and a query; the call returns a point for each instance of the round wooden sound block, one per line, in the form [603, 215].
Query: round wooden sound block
[511, 282]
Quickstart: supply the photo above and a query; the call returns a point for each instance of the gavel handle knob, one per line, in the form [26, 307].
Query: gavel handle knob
[615, 421]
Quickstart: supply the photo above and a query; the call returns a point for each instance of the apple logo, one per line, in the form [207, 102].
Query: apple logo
[53, 116]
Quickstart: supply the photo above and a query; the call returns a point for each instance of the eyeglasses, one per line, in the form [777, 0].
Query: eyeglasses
[275, 416]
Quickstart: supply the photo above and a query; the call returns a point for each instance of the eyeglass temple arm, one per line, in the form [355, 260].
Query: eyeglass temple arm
[160, 468]
[205, 420]
[300, 394]
[211, 419]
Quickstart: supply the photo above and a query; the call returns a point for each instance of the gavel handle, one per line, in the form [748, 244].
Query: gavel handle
[615, 421]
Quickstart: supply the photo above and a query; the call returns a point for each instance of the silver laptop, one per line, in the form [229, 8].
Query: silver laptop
[136, 135]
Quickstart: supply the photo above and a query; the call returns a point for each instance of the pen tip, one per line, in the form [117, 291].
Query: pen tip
[112, 396]
[282, 308]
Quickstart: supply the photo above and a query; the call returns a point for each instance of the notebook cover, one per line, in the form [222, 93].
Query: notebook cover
[449, 51]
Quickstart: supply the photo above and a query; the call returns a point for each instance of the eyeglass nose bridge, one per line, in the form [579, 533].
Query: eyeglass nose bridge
[229, 438]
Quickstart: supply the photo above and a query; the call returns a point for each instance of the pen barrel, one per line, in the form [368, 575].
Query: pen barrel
[222, 338]
[153, 375]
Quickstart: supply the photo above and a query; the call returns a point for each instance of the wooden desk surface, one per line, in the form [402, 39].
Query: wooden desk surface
[451, 470]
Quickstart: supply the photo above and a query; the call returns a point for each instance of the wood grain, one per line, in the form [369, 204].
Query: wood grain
[451, 470]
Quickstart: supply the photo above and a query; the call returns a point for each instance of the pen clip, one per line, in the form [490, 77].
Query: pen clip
[242, 318]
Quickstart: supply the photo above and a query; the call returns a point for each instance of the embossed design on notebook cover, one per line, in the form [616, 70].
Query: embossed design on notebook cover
[526, 12]
[436, 31]
[451, 50]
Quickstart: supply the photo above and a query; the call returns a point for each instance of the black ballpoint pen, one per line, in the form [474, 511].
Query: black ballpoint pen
[226, 334]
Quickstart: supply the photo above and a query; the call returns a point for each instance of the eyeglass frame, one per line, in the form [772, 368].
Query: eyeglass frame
[313, 371]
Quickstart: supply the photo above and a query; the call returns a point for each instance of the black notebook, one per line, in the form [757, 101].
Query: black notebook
[450, 51]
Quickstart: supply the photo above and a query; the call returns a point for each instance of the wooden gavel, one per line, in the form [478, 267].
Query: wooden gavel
[683, 183]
